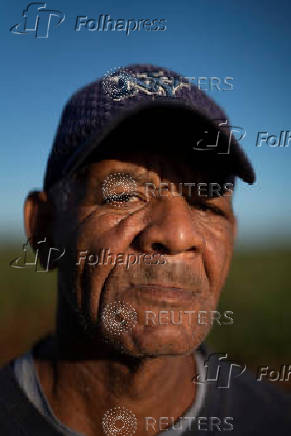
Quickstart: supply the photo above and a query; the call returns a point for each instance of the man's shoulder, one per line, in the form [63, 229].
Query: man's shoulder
[18, 416]
[255, 407]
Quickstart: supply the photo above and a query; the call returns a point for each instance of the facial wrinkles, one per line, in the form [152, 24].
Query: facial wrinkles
[84, 215]
[176, 273]
[83, 226]
[159, 168]
[219, 252]
[179, 274]
[149, 215]
[122, 233]
[114, 281]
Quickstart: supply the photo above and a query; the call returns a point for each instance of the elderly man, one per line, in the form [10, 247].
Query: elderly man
[137, 203]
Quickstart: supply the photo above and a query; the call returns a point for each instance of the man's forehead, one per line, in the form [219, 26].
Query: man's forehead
[145, 163]
[152, 170]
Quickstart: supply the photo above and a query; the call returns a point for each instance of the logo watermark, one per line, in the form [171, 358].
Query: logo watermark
[120, 188]
[111, 188]
[124, 83]
[37, 20]
[219, 371]
[218, 140]
[104, 257]
[119, 421]
[21, 262]
[118, 317]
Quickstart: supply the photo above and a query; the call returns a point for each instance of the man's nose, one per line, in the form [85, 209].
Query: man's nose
[172, 228]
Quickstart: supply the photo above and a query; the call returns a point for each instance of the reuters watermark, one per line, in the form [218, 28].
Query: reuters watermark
[201, 189]
[119, 317]
[122, 83]
[121, 421]
[120, 188]
[190, 317]
[201, 423]
[116, 315]
[211, 83]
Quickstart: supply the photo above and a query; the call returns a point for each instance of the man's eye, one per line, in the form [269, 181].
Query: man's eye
[210, 208]
[121, 198]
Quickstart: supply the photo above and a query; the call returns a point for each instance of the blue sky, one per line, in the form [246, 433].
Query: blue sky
[249, 41]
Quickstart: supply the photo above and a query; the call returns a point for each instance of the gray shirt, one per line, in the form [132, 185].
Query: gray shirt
[28, 380]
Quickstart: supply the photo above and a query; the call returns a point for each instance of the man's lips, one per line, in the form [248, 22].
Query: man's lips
[157, 293]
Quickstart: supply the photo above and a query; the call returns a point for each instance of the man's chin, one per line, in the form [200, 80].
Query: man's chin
[155, 342]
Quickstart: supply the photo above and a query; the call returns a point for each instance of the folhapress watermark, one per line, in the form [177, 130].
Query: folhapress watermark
[30, 259]
[105, 23]
[283, 374]
[106, 257]
[221, 139]
[281, 140]
[38, 19]
[219, 371]
[23, 262]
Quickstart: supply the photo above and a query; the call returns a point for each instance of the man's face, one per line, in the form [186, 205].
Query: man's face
[180, 241]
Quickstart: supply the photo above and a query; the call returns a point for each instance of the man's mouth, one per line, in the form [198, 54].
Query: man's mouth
[165, 294]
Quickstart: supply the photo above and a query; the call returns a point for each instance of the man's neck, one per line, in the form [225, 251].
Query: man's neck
[81, 390]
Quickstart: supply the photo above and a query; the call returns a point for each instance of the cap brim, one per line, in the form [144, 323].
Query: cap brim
[179, 118]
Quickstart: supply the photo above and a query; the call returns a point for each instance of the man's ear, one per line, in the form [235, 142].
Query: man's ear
[38, 222]
[234, 228]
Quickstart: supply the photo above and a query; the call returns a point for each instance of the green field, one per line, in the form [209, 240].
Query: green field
[258, 291]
